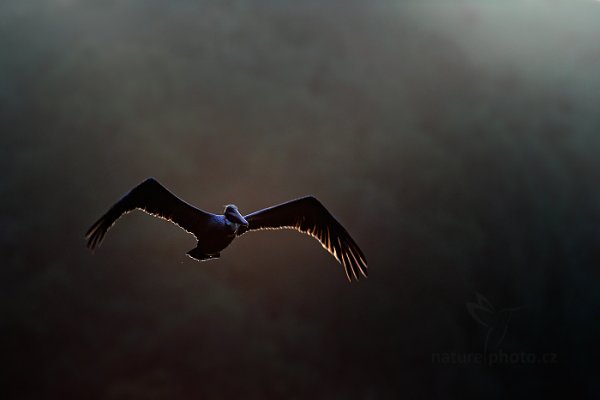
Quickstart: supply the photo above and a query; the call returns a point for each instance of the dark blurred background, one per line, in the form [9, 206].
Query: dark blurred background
[457, 141]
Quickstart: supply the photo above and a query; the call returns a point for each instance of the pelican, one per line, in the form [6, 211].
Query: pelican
[215, 232]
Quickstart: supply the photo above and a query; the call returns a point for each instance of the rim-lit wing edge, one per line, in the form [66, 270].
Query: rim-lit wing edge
[307, 215]
[153, 199]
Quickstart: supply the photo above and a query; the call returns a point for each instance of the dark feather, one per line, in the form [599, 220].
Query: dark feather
[309, 216]
[153, 198]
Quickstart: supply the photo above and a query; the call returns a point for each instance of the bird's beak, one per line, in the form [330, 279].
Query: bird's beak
[237, 217]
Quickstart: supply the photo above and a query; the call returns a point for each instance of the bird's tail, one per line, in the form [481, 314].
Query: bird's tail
[199, 255]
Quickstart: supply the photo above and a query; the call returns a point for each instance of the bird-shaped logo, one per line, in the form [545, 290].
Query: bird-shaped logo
[495, 321]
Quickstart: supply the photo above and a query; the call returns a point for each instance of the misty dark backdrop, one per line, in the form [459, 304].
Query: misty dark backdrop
[458, 143]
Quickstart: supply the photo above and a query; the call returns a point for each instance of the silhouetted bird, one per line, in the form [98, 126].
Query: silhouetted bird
[215, 232]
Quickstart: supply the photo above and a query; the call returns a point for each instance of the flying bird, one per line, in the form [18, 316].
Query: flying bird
[215, 232]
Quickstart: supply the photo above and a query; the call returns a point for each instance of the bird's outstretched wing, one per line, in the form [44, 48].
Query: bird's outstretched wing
[153, 198]
[309, 216]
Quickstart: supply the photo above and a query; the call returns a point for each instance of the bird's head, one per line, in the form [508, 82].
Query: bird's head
[233, 215]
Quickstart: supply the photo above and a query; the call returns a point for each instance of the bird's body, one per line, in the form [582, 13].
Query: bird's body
[216, 235]
[215, 232]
